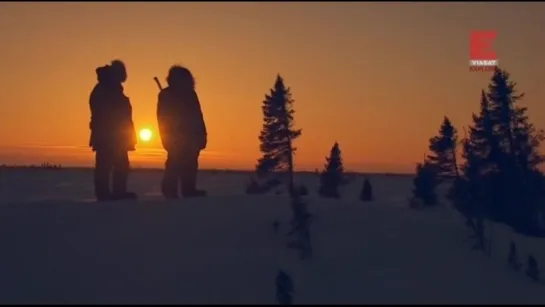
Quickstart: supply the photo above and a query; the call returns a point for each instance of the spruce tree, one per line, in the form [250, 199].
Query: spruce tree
[332, 176]
[480, 146]
[501, 158]
[477, 150]
[471, 191]
[504, 114]
[519, 183]
[278, 132]
[425, 183]
[276, 144]
[443, 151]
[519, 139]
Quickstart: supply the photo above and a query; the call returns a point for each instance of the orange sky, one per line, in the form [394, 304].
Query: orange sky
[378, 78]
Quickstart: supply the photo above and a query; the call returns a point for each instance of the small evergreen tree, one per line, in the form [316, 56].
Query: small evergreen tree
[443, 151]
[253, 187]
[300, 227]
[425, 183]
[284, 288]
[512, 258]
[532, 269]
[367, 191]
[278, 132]
[332, 176]
[276, 226]
[301, 190]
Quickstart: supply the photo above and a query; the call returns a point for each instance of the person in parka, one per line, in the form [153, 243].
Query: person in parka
[112, 133]
[183, 133]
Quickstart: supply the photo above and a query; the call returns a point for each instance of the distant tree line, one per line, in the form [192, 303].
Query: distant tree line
[45, 165]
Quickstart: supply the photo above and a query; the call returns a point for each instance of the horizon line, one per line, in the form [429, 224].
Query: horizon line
[145, 168]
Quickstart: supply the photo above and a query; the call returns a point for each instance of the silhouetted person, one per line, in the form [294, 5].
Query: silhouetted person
[112, 133]
[183, 133]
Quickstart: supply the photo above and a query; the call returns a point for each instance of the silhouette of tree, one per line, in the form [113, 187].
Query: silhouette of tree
[500, 175]
[284, 288]
[278, 133]
[366, 191]
[253, 187]
[519, 181]
[517, 137]
[332, 176]
[532, 269]
[478, 151]
[299, 233]
[276, 139]
[302, 190]
[469, 191]
[512, 258]
[425, 183]
[480, 147]
[443, 151]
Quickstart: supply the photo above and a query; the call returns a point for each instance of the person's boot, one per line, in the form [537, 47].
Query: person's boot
[169, 183]
[124, 196]
[194, 193]
[169, 187]
[119, 189]
[189, 187]
[102, 189]
[104, 196]
[188, 175]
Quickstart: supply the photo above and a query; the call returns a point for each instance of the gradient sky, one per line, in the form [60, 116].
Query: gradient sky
[376, 77]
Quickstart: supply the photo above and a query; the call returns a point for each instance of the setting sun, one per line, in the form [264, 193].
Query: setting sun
[145, 134]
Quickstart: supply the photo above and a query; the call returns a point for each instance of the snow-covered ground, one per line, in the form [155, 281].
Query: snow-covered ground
[56, 246]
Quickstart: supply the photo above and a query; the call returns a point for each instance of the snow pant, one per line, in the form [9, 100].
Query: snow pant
[115, 162]
[180, 168]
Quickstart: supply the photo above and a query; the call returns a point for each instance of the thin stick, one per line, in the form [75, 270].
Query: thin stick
[158, 83]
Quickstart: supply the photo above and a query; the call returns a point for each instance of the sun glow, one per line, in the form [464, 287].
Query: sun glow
[145, 134]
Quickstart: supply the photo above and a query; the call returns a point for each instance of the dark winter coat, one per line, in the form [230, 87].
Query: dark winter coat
[180, 118]
[111, 123]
